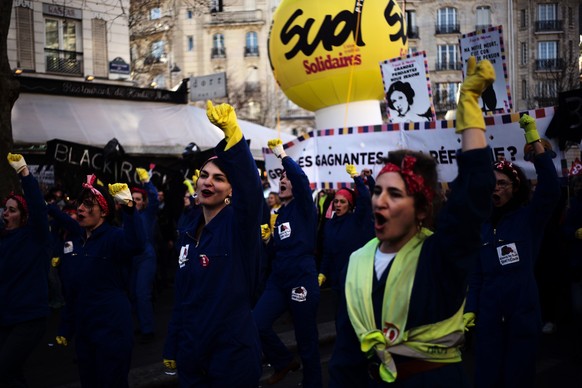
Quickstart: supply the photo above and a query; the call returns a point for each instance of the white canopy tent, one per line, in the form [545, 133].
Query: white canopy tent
[140, 127]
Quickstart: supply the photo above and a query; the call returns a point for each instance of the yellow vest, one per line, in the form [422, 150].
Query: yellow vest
[436, 342]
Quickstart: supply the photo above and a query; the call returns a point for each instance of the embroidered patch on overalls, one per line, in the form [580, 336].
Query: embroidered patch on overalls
[182, 258]
[204, 260]
[68, 247]
[299, 294]
[507, 254]
[284, 230]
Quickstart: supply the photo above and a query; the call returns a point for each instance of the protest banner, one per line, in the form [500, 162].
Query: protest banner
[488, 44]
[407, 89]
[323, 154]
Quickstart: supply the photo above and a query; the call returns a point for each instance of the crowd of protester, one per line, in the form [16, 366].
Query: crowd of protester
[412, 270]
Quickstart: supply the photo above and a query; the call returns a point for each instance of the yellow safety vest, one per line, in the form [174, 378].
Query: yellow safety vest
[436, 342]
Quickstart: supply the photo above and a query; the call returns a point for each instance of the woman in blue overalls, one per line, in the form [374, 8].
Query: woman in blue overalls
[292, 284]
[212, 338]
[94, 265]
[503, 293]
[25, 244]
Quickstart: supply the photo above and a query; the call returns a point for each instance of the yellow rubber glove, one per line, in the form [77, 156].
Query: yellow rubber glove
[120, 193]
[55, 261]
[321, 279]
[265, 232]
[578, 233]
[61, 340]
[479, 77]
[170, 364]
[469, 320]
[17, 162]
[195, 177]
[188, 184]
[144, 176]
[351, 169]
[528, 124]
[276, 145]
[224, 117]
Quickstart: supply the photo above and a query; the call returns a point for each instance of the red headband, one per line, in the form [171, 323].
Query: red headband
[18, 198]
[346, 193]
[507, 168]
[414, 182]
[96, 193]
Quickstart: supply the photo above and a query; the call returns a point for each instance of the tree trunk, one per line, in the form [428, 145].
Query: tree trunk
[9, 90]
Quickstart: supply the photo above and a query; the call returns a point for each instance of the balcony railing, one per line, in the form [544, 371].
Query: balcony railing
[551, 64]
[252, 51]
[448, 65]
[64, 62]
[480, 27]
[448, 28]
[218, 52]
[547, 101]
[443, 106]
[549, 25]
[413, 32]
[235, 17]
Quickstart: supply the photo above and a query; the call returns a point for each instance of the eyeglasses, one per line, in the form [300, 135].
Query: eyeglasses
[503, 184]
[88, 203]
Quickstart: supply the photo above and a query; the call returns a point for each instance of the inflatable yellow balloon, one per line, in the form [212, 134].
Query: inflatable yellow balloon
[317, 47]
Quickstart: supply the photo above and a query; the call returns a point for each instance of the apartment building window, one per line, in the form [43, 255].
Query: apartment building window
[155, 13]
[189, 14]
[218, 50]
[483, 17]
[523, 18]
[63, 46]
[447, 21]
[252, 81]
[548, 56]
[190, 40]
[524, 92]
[445, 96]
[252, 45]
[24, 38]
[570, 17]
[157, 53]
[447, 57]
[547, 89]
[411, 26]
[548, 18]
[100, 59]
[523, 53]
[215, 5]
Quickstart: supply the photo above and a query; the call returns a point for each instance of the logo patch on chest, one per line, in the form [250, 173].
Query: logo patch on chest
[183, 257]
[204, 261]
[284, 230]
[507, 254]
[299, 294]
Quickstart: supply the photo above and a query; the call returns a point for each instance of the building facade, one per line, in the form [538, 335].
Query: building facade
[77, 39]
[541, 40]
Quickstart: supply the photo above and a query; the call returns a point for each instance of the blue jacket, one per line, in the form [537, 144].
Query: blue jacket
[508, 288]
[149, 218]
[24, 262]
[346, 234]
[217, 275]
[93, 272]
[295, 228]
[572, 222]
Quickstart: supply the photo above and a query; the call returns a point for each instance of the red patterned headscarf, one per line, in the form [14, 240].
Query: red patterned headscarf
[18, 198]
[414, 182]
[96, 193]
[508, 169]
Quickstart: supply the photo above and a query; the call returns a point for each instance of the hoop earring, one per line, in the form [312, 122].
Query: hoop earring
[419, 225]
[227, 201]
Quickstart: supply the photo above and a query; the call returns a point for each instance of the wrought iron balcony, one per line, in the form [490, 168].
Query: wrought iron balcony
[480, 27]
[64, 62]
[235, 17]
[413, 32]
[551, 64]
[549, 26]
[448, 28]
[448, 65]
[218, 52]
[252, 51]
